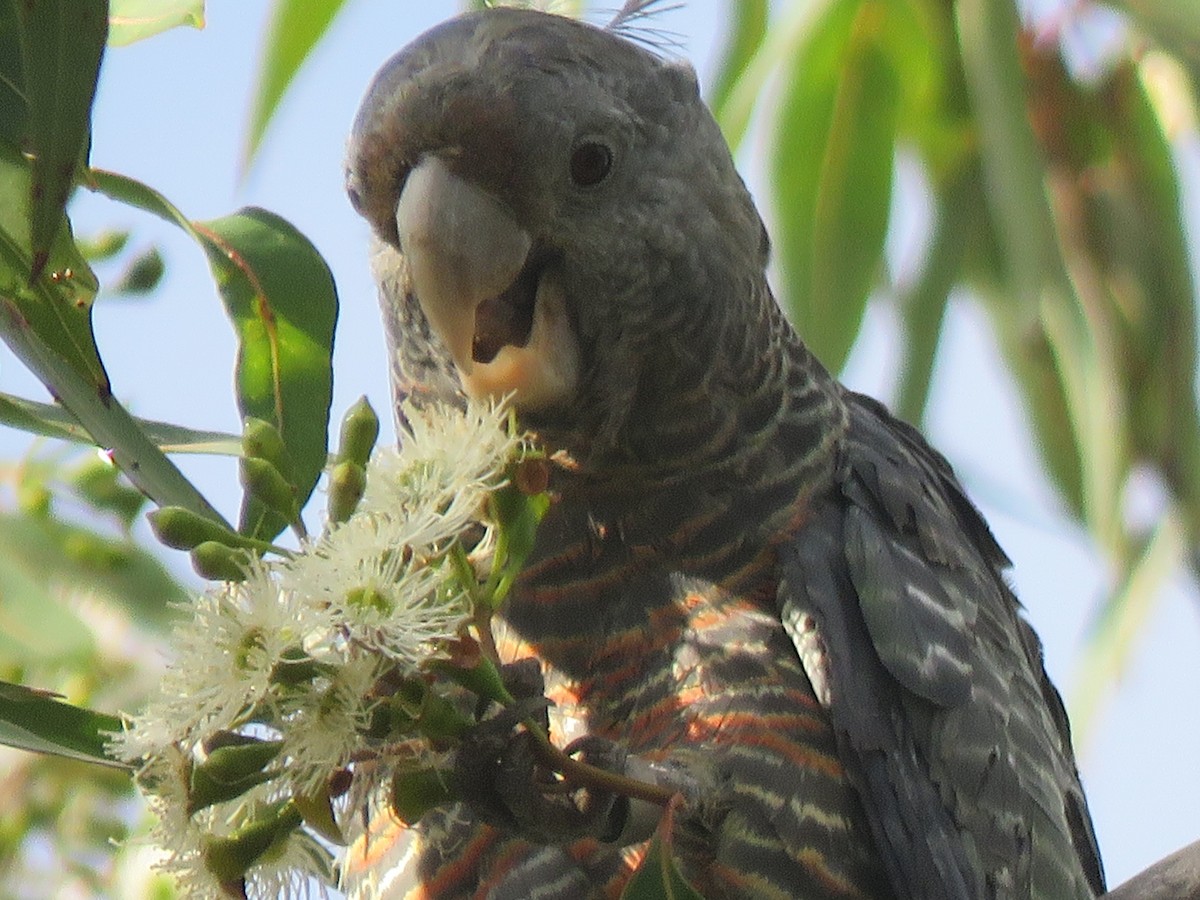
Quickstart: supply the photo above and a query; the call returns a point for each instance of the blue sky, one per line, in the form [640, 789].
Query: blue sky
[171, 112]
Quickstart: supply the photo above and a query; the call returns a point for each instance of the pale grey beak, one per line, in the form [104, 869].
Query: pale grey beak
[463, 247]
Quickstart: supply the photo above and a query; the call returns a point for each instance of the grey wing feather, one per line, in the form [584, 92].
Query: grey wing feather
[946, 721]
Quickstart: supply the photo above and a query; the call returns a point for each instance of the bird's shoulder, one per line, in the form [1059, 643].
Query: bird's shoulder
[893, 593]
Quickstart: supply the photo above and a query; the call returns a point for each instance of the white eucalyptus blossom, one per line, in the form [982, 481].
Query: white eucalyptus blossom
[294, 654]
[449, 462]
[379, 582]
[225, 656]
[324, 723]
[294, 867]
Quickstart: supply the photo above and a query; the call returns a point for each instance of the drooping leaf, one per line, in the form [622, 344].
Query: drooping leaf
[748, 29]
[36, 721]
[61, 45]
[658, 876]
[53, 421]
[1123, 619]
[1144, 251]
[923, 305]
[296, 27]
[1174, 22]
[281, 298]
[1058, 340]
[56, 304]
[831, 173]
[115, 569]
[795, 25]
[133, 20]
[988, 38]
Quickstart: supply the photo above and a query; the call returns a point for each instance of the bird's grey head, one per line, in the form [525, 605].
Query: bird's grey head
[557, 212]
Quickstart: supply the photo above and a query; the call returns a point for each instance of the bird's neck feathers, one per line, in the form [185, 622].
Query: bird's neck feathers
[746, 413]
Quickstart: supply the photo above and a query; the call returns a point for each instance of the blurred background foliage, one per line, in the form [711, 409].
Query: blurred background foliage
[1043, 141]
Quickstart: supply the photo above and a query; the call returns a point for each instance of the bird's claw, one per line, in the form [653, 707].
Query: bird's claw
[501, 773]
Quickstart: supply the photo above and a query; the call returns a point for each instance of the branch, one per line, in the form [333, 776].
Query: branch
[1174, 878]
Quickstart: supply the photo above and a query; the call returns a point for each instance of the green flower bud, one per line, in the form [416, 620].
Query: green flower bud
[230, 771]
[318, 815]
[265, 483]
[230, 858]
[360, 430]
[416, 791]
[183, 529]
[347, 481]
[262, 440]
[99, 483]
[143, 274]
[217, 562]
[482, 679]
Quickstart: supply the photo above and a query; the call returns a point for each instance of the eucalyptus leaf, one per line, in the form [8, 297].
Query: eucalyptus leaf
[658, 876]
[748, 30]
[134, 20]
[50, 420]
[296, 27]
[831, 173]
[56, 303]
[82, 561]
[61, 45]
[282, 301]
[36, 721]
[281, 298]
[1122, 620]
[923, 305]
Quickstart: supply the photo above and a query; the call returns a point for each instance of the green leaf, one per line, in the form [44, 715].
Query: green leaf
[1031, 357]
[296, 27]
[779, 46]
[280, 295]
[658, 876]
[46, 322]
[923, 305]
[988, 32]
[281, 298]
[116, 570]
[53, 421]
[33, 720]
[14, 105]
[831, 173]
[35, 626]
[61, 45]
[1144, 247]
[1123, 619]
[1174, 22]
[133, 20]
[56, 303]
[747, 31]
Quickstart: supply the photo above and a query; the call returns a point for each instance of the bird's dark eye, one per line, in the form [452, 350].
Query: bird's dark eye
[591, 162]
